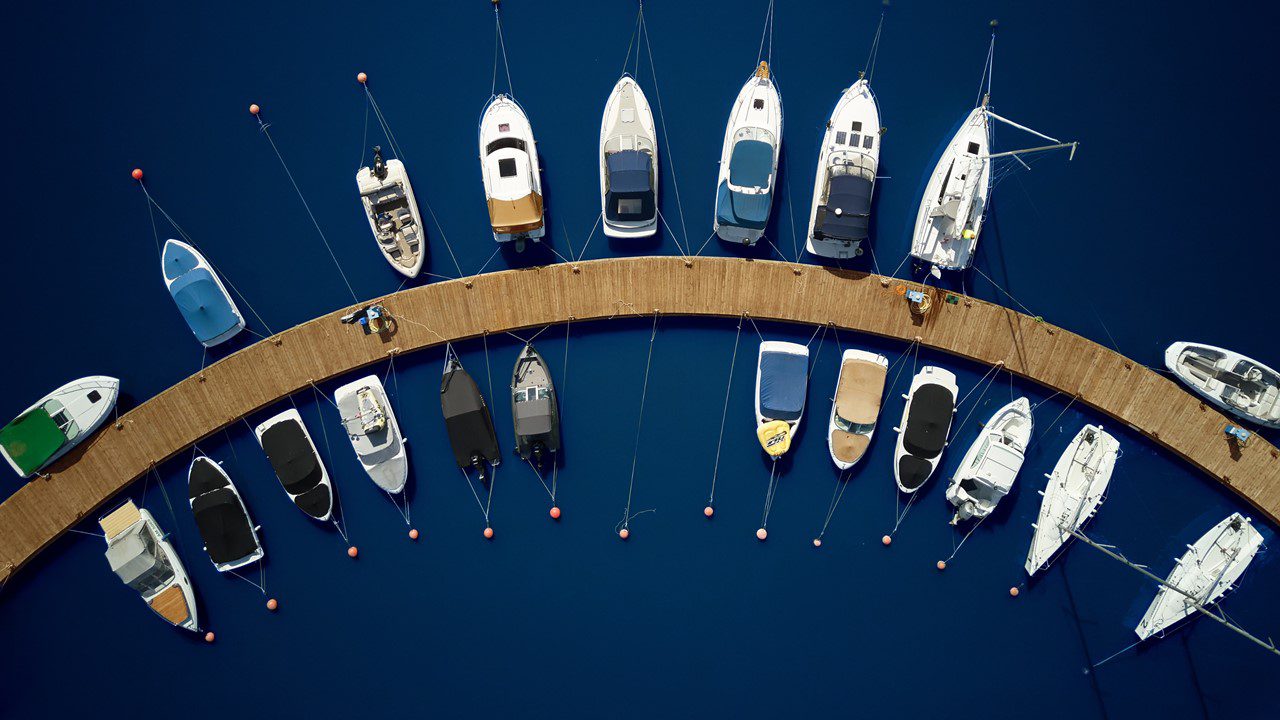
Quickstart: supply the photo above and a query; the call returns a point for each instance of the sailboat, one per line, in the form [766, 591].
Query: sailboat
[782, 380]
[749, 160]
[57, 422]
[511, 173]
[393, 214]
[533, 407]
[140, 554]
[954, 204]
[847, 163]
[1242, 386]
[467, 420]
[199, 293]
[1077, 486]
[991, 465]
[374, 432]
[628, 163]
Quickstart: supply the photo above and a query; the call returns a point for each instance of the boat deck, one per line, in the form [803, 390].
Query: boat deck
[429, 315]
[171, 605]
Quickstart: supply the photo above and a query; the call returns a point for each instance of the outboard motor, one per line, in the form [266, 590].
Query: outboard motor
[379, 167]
[477, 462]
[537, 454]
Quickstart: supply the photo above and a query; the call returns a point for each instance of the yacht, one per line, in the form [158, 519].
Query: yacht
[856, 406]
[628, 163]
[57, 422]
[840, 218]
[511, 173]
[991, 465]
[1243, 387]
[749, 161]
[392, 210]
[926, 421]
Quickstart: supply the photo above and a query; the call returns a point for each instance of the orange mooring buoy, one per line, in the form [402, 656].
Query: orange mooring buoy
[942, 564]
[137, 173]
[353, 551]
[413, 534]
[1013, 592]
[254, 109]
[817, 542]
[488, 533]
[555, 513]
[886, 540]
[708, 511]
[208, 637]
[624, 533]
[761, 534]
[272, 604]
[362, 78]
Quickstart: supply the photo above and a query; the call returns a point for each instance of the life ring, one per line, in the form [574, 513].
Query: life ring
[901, 289]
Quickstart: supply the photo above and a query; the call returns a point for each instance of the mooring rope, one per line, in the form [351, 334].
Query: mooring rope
[666, 136]
[724, 414]
[644, 393]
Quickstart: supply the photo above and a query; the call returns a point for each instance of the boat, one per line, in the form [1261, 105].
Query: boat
[856, 405]
[374, 432]
[782, 381]
[534, 408]
[992, 462]
[840, 218]
[511, 173]
[297, 463]
[230, 537]
[467, 420]
[1242, 386]
[387, 197]
[1208, 570]
[141, 555]
[200, 295]
[953, 208]
[749, 161]
[57, 422]
[926, 421]
[628, 163]
[1076, 488]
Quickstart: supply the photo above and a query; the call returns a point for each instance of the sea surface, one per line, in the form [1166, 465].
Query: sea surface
[1150, 235]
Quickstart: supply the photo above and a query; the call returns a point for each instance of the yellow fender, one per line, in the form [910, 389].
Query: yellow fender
[775, 437]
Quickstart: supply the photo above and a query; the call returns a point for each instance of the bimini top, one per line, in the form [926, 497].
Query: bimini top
[630, 186]
[466, 417]
[32, 439]
[220, 516]
[847, 213]
[136, 560]
[297, 466]
[783, 380]
[203, 302]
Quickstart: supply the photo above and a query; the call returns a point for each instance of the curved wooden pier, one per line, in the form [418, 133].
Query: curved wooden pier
[432, 314]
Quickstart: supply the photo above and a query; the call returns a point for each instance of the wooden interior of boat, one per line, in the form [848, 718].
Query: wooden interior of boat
[859, 391]
[171, 605]
[120, 519]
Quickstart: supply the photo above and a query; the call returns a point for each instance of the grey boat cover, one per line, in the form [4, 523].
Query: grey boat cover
[136, 560]
[533, 417]
[298, 467]
[220, 516]
[466, 417]
[851, 195]
[783, 383]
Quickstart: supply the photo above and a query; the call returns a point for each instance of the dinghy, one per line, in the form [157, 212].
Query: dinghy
[512, 176]
[393, 214]
[57, 422]
[992, 463]
[140, 555]
[856, 406]
[230, 537]
[374, 432]
[1243, 387]
[782, 381]
[628, 163]
[467, 420]
[749, 161]
[926, 421]
[1208, 570]
[534, 408]
[847, 163]
[1077, 486]
[297, 464]
[200, 295]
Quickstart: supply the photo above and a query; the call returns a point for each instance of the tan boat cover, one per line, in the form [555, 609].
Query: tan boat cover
[513, 216]
[120, 519]
[859, 391]
[848, 447]
[171, 605]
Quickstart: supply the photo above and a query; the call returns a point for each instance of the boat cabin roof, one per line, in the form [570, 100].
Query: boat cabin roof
[31, 439]
[203, 304]
[846, 215]
[751, 164]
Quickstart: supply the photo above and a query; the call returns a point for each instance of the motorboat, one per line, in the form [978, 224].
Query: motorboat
[856, 406]
[374, 432]
[297, 463]
[230, 537]
[1208, 570]
[628, 163]
[57, 422]
[991, 465]
[467, 420]
[1076, 488]
[511, 173]
[534, 408]
[749, 161]
[782, 381]
[199, 294]
[141, 555]
[840, 218]
[926, 421]
[1242, 386]
[392, 210]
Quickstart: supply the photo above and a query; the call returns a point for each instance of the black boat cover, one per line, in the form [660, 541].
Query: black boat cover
[298, 467]
[223, 525]
[928, 421]
[913, 472]
[466, 417]
[205, 477]
[847, 212]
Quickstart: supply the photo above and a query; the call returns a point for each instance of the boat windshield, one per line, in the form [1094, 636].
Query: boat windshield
[506, 142]
[855, 428]
[60, 415]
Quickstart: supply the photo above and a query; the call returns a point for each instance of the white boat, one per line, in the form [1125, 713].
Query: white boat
[230, 537]
[926, 422]
[1208, 570]
[991, 465]
[782, 381]
[1076, 487]
[199, 293]
[393, 214]
[847, 163]
[374, 432]
[57, 422]
[1242, 386]
[628, 163]
[856, 405]
[749, 161]
[954, 204]
[297, 463]
[511, 173]
[140, 555]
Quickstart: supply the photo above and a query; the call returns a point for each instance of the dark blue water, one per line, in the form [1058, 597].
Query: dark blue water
[1149, 236]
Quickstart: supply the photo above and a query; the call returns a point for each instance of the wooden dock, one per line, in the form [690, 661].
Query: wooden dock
[272, 369]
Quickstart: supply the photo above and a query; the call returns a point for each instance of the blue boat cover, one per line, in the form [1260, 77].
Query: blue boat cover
[783, 383]
[203, 304]
[177, 260]
[742, 210]
[629, 171]
[851, 196]
[751, 164]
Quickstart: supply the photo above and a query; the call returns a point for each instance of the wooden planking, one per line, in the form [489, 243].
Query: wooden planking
[729, 287]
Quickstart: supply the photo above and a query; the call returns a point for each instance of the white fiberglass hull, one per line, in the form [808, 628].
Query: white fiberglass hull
[776, 433]
[1076, 488]
[202, 263]
[322, 511]
[850, 142]
[847, 446]
[991, 465]
[627, 125]
[401, 243]
[954, 204]
[1237, 384]
[88, 414]
[382, 453]
[511, 172]
[922, 435]
[756, 116]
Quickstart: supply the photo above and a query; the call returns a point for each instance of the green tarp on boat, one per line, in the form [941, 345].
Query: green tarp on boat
[31, 440]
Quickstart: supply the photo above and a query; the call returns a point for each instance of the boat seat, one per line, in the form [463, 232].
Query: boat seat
[848, 447]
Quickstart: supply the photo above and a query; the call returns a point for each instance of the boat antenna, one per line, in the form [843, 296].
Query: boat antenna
[984, 84]
[869, 68]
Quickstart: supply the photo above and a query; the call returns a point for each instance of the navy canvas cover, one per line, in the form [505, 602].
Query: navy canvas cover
[783, 383]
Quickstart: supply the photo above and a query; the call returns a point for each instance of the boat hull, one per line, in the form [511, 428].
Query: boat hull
[404, 248]
[851, 141]
[1076, 489]
[511, 172]
[627, 125]
[297, 464]
[991, 464]
[77, 397]
[954, 203]
[781, 386]
[743, 207]
[1265, 413]
[926, 423]
[859, 393]
[382, 452]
